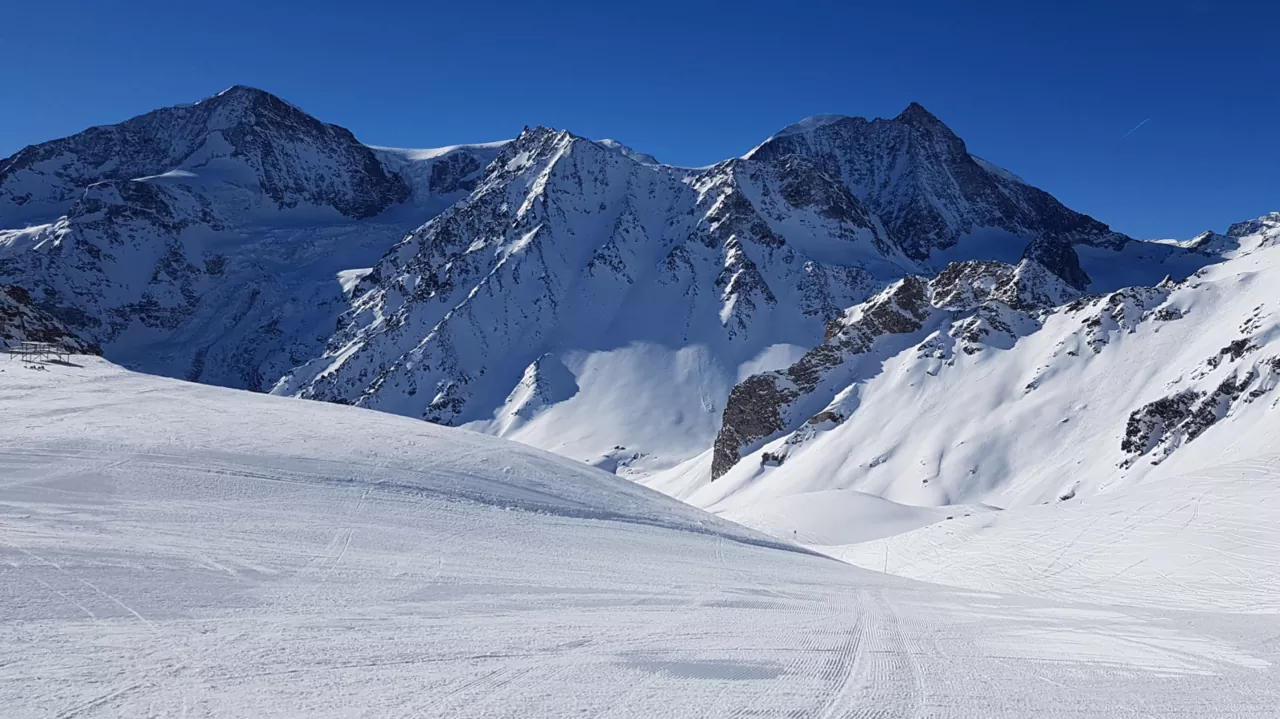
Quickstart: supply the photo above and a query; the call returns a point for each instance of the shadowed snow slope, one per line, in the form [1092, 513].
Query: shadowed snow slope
[171, 549]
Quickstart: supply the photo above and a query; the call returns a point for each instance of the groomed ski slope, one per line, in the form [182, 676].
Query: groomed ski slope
[171, 549]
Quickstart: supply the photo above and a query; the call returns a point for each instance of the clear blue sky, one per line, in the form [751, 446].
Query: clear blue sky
[1049, 92]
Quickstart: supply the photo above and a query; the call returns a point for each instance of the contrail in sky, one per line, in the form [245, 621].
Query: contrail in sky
[1135, 128]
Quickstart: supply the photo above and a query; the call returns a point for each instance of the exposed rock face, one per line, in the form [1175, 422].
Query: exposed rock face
[1060, 258]
[1153, 424]
[1122, 310]
[164, 278]
[1157, 429]
[22, 321]
[113, 221]
[761, 405]
[754, 410]
[438, 178]
[1268, 225]
[1016, 389]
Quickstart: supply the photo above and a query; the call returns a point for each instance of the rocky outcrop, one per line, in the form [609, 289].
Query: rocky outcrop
[1157, 429]
[1267, 226]
[762, 405]
[1060, 258]
[22, 321]
[1160, 427]
[1120, 311]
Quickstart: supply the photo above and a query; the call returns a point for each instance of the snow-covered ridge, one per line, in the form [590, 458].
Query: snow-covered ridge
[809, 123]
[641, 157]
[661, 237]
[997, 170]
[979, 303]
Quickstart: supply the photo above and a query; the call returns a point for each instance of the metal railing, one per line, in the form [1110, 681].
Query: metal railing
[38, 352]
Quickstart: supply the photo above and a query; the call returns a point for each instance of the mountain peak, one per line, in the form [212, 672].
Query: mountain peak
[539, 132]
[915, 114]
[242, 90]
[294, 158]
[248, 95]
[241, 101]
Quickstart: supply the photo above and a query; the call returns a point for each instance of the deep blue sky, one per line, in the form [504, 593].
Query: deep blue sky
[1048, 92]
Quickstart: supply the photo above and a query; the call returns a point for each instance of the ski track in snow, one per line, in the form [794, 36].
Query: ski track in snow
[171, 549]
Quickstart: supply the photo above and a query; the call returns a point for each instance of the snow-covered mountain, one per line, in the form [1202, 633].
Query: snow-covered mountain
[654, 289]
[641, 279]
[277, 154]
[1001, 385]
[214, 241]
[581, 296]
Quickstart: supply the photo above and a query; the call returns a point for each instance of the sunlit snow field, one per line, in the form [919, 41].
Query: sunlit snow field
[172, 549]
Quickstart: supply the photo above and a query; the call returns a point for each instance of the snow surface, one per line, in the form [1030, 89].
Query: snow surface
[1206, 541]
[835, 517]
[172, 549]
